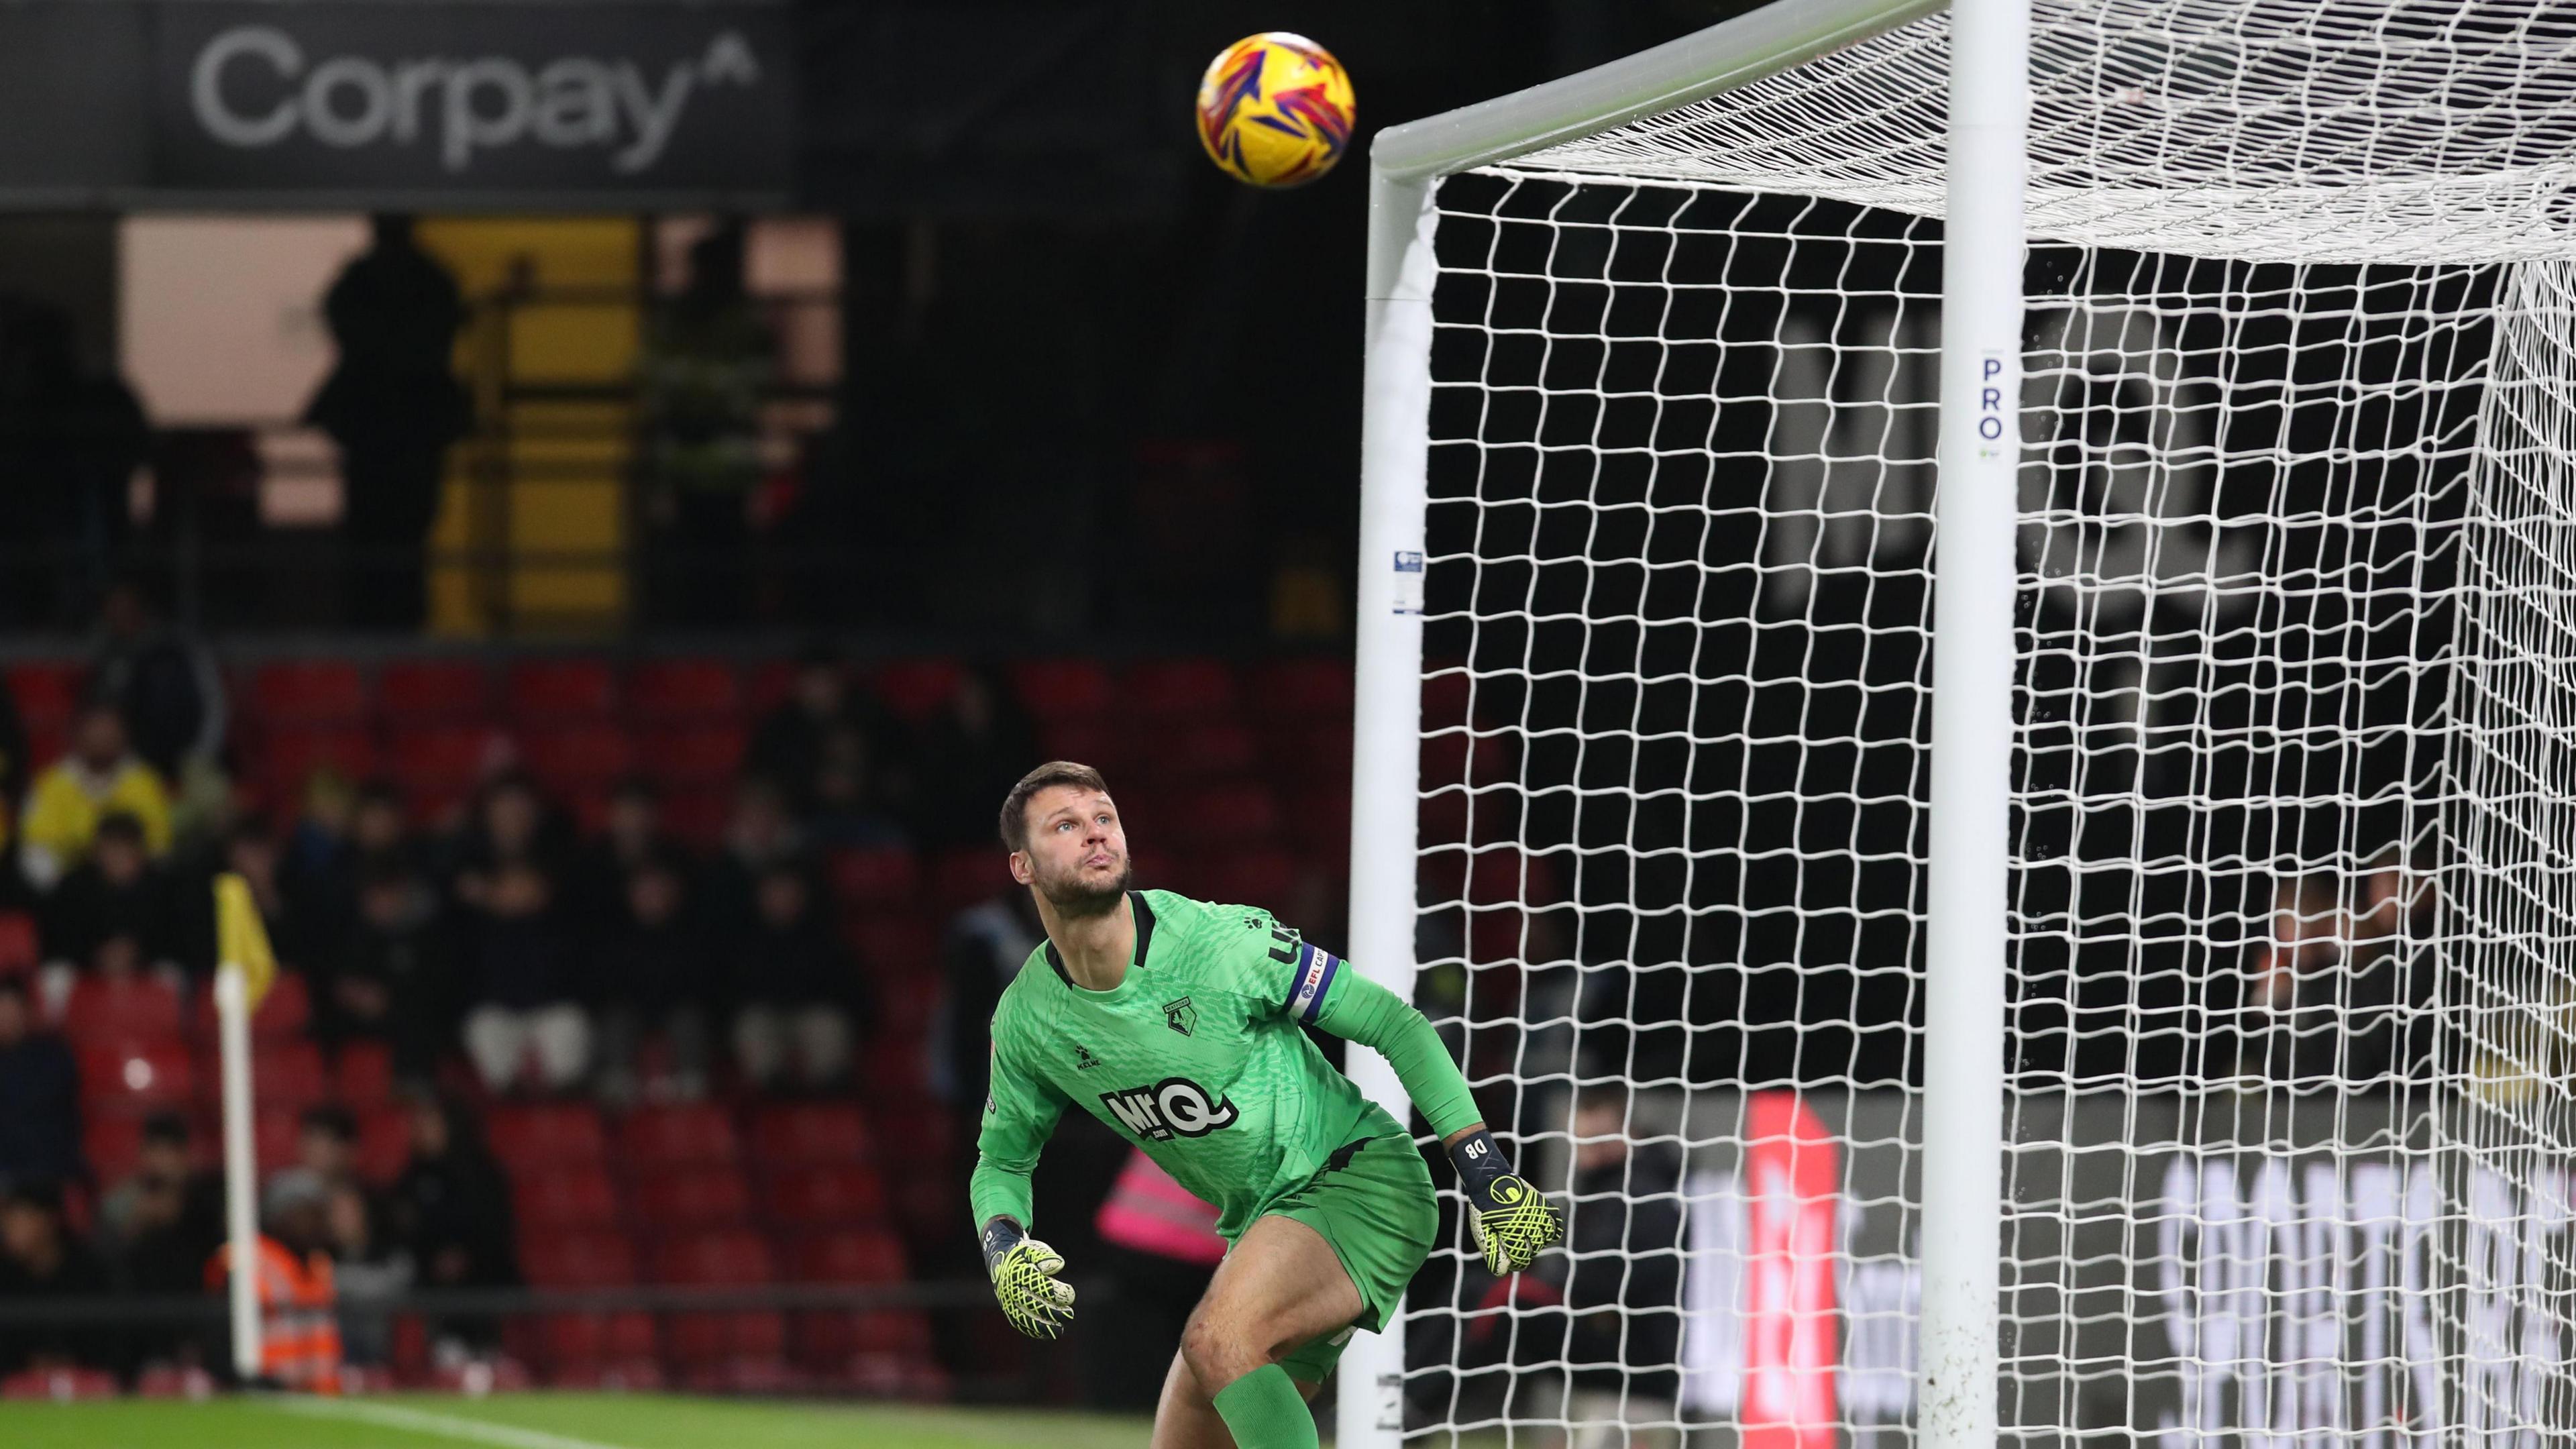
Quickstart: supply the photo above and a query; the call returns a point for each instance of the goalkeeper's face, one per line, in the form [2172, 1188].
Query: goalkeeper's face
[1077, 854]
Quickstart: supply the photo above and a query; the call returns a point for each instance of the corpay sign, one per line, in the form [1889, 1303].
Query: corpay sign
[475, 98]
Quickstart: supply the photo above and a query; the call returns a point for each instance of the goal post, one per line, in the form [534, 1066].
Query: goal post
[2114, 977]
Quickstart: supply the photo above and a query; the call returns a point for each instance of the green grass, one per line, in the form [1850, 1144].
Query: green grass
[607, 1421]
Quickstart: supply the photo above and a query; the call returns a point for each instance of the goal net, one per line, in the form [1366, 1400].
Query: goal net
[2292, 971]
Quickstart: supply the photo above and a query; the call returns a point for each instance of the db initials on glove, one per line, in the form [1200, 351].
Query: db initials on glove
[1512, 1223]
[1024, 1280]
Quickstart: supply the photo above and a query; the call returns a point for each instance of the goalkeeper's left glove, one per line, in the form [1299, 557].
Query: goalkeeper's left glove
[1024, 1279]
[1510, 1220]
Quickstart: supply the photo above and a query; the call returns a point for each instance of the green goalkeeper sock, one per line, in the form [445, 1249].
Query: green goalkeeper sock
[1265, 1411]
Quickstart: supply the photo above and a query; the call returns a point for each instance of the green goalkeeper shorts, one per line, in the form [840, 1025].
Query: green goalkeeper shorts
[1373, 1202]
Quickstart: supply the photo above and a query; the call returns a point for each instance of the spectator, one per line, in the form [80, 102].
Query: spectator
[250, 850]
[1623, 1284]
[523, 985]
[791, 744]
[118, 891]
[299, 1345]
[158, 1228]
[650, 969]
[40, 1259]
[326, 1145]
[848, 806]
[164, 681]
[101, 775]
[70, 440]
[630, 838]
[760, 833]
[371, 1272]
[707, 354]
[798, 992]
[510, 826]
[380, 826]
[40, 1130]
[985, 948]
[317, 867]
[393, 977]
[969, 753]
[393, 404]
[451, 1209]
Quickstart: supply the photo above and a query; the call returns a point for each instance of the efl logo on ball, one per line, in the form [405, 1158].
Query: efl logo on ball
[1275, 109]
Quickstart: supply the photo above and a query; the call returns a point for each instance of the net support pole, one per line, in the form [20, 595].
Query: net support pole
[1395, 446]
[241, 1165]
[1972, 721]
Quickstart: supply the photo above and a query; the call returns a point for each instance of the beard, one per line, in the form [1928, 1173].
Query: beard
[1073, 895]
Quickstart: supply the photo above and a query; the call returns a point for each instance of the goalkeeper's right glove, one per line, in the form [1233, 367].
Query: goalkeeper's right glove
[1024, 1279]
[1511, 1222]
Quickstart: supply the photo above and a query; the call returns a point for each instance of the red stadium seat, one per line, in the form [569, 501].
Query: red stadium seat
[138, 1011]
[1264, 878]
[890, 946]
[1100, 743]
[1063, 689]
[47, 692]
[283, 1014]
[734, 1257]
[1317, 689]
[276, 1138]
[594, 1338]
[363, 1076]
[884, 875]
[138, 1079]
[20, 950]
[446, 758]
[656, 1139]
[826, 1338]
[576, 1259]
[961, 878]
[915, 689]
[111, 1145]
[170, 1381]
[550, 1135]
[698, 754]
[320, 691]
[906, 1005]
[1237, 814]
[683, 689]
[578, 1197]
[850, 1256]
[1180, 687]
[766, 685]
[696, 817]
[692, 1200]
[384, 1143]
[290, 1076]
[58, 1385]
[1206, 749]
[809, 1133]
[433, 689]
[560, 689]
[825, 1195]
[615, 1376]
[570, 759]
[288, 757]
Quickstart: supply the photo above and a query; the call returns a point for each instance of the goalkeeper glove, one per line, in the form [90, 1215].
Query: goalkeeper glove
[1024, 1279]
[1510, 1220]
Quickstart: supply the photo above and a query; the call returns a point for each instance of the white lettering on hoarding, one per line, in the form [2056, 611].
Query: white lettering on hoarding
[468, 105]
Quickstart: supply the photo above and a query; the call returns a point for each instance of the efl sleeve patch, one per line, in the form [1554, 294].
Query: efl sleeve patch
[1313, 977]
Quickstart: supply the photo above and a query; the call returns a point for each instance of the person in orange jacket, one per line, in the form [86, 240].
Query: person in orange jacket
[299, 1346]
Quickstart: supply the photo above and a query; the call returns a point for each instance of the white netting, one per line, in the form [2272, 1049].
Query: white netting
[2294, 915]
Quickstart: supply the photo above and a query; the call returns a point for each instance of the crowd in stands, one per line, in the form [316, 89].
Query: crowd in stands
[738, 919]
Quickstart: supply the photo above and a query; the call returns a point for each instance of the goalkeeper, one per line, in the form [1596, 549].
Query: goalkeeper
[1175, 1022]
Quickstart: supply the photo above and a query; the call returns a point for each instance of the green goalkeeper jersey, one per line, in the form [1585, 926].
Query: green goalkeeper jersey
[1197, 1057]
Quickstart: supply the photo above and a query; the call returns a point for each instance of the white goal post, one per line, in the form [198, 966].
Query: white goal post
[2161, 1029]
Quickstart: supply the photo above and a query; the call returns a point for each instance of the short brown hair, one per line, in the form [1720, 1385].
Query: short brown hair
[1015, 806]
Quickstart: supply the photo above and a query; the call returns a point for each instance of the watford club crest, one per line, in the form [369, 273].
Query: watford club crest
[1180, 1016]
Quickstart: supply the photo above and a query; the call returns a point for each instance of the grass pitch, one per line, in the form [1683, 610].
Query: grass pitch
[549, 1421]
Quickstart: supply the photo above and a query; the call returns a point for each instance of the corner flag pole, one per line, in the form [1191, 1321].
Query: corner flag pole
[244, 968]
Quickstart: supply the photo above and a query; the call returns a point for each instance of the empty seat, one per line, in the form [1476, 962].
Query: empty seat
[683, 689]
[825, 1195]
[384, 1143]
[111, 1145]
[1302, 688]
[1264, 878]
[557, 1134]
[1100, 743]
[576, 1259]
[827, 1337]
[47, 691]
[961, 878]
[806, 1133]
[555, 689]
[276, 1137]
[692, 1200]
[570, 759]
[616, 1376]
[1063, 689]
[877, 876]
[437, 758]
[696, 754]
[1203, 749]
[363, 1076]
[138, 1079]
[563, 1339]
[576, 1197]
[850, 1256]
[1241, 813]
[433, 689]
[291, 1076]
[906, 1004]
[139, 1011]
[20, 950]
[656, 1139]
[915, 689]
[725, 1257]
[696, 817]
[58, 1385]
[1179, 687]
[290, 755]
[310, 692]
